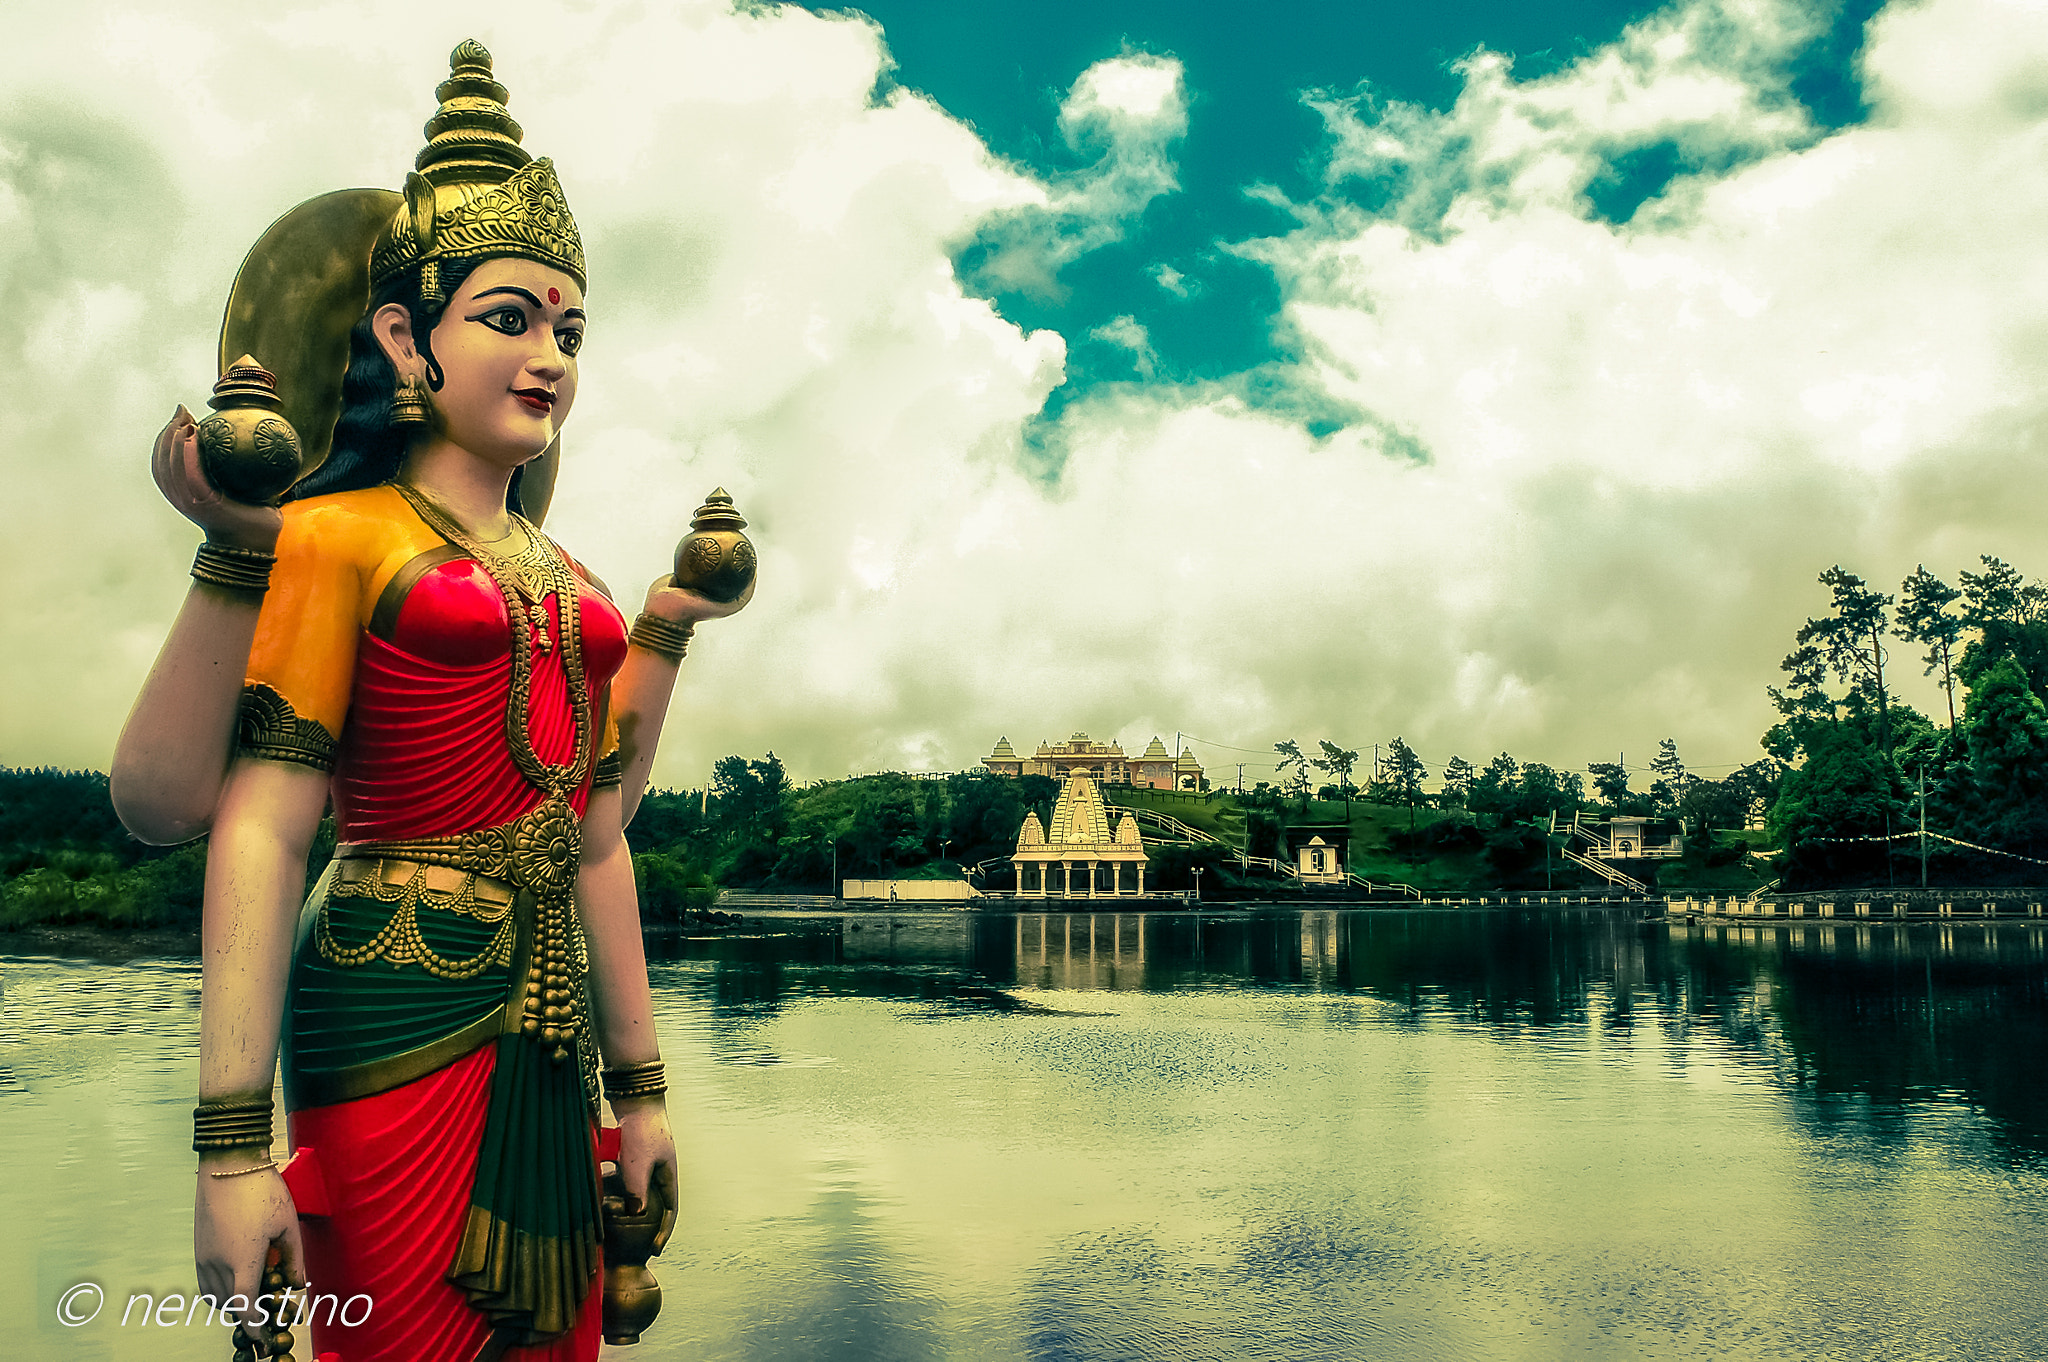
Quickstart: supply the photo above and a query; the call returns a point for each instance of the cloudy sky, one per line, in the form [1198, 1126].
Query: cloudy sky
[1499, 378]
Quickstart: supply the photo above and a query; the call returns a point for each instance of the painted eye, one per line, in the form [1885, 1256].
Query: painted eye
[509, 320]
[569, 341]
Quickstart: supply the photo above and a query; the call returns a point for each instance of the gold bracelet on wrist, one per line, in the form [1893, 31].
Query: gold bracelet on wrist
[663, 638]
[645, 1079]
[233, 569]
[231, 1124]
[262, 1167]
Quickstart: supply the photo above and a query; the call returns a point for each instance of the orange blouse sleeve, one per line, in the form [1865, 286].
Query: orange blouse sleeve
[332, 553]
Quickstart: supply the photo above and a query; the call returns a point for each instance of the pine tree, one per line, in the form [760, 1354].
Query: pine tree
[2010, 616]
[1925, 617]
[1405, 773]
[1850, 643]
[1338, 763]
[1495, 787]
[1610, 783]
[1457, 784]
[1292, 761]
[1667, 791]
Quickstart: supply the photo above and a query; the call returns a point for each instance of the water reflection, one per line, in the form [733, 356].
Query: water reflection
[1375, 1135]
[1949, 1012]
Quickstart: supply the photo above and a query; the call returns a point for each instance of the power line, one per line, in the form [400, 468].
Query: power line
[1632, 767]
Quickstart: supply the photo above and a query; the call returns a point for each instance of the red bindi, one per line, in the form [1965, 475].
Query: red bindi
[554, 295]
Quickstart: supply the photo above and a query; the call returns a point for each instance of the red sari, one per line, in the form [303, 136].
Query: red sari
[463, 1212]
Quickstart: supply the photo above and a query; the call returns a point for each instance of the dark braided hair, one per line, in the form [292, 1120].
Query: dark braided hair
[368, 447]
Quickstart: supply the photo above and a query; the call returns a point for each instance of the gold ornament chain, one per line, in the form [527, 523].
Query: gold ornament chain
[554, 575]
[400, 942]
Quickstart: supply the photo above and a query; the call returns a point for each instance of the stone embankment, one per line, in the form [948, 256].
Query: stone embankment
[1871, 905]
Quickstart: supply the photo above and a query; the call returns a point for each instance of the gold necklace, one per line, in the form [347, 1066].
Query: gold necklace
[532, 571]
[551, 575]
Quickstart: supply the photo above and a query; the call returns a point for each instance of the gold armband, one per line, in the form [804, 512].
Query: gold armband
[661, 637]
[267, 726]
[233, 569]
[609, 772]
[232, 1124]
[646, 1079]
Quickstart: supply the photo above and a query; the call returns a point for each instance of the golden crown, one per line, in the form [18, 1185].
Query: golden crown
[474, 191]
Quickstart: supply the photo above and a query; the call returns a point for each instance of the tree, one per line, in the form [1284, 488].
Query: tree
[1496, 786]
[1840, 793]
[1667, 791]
[1708, 805]
[1544, 790]
[1756, 783]
[1404, 773]
[749, 795]
[1292, 760]
[1610, 783]
[1925, 617]
[2008, 745]
[2010, 616]
[887, 829]
[1338, 763]
[1457, 783]
[1850, 642]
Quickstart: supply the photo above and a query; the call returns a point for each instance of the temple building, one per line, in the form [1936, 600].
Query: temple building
[1154, 768]
[1079, 857]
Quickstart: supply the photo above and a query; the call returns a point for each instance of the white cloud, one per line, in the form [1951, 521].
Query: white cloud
[1125, 113]
[1127, 333]
[1600, 466]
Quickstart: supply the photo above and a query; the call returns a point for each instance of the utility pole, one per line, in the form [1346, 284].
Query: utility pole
[1240, 777]
[1923, 825]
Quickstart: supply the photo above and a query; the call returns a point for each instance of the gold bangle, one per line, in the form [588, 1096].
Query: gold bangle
[243, 1124]
[663, 638]
[264, 1166]
[645, 1079]
[233, 569]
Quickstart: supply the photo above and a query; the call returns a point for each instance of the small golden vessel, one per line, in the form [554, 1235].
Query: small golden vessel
[247, 449]
[715, 559]
[632, 1298]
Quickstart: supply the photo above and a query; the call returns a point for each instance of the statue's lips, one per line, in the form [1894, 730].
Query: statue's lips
[536, 399]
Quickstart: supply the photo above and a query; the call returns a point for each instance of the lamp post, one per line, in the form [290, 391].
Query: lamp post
[1198, 884]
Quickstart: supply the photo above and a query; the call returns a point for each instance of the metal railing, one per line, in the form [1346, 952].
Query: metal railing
[1183, 833]
[1374, 887]
[1604, 870]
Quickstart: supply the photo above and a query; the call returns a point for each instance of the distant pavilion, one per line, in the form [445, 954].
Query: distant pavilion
[1080, 858]
[1154, 768]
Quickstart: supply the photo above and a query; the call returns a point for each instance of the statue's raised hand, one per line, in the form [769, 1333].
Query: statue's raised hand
[679, 605]
[175, 465]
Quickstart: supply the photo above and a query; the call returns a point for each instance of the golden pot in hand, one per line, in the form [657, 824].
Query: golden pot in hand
[715, 559]
[632, 1298]
[247, 449]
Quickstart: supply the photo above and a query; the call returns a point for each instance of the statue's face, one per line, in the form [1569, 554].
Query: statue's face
[507, 347]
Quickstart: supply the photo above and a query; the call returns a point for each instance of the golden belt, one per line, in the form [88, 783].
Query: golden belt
[481, 874]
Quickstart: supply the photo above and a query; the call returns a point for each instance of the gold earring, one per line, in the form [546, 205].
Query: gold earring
[409, 403]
